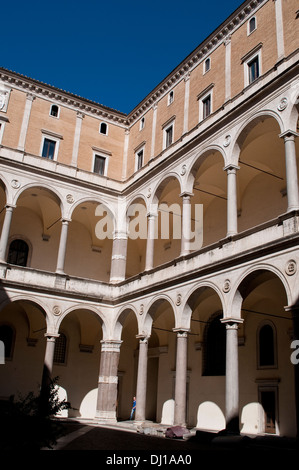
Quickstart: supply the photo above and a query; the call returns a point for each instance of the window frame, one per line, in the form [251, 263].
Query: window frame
[53, 137]
[258, 345]
[64, 363]
[170, 97]
[137, 154]
[100, 155]
[58, 111]
[28, 244]
[209, 62]
[166, 128]
[142, 123]
[106, 124]
[255, 54]
[249, 31]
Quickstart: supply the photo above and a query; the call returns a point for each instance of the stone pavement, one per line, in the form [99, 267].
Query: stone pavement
[125, 437]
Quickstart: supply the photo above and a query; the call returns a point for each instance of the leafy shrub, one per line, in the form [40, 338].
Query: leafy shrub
[25, 425]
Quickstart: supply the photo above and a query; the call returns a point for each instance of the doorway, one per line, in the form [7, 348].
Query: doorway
[268, 400]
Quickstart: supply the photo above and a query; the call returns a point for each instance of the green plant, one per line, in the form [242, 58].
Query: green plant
[25, 427]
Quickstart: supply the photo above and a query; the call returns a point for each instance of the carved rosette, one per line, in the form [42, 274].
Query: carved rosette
[291, 267]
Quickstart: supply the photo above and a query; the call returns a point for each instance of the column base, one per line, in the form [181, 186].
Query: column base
[105, 417]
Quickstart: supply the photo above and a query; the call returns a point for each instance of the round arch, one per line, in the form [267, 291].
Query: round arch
[198, 160]
[247, 126]
[87, 308]
[249, 280]
[120, 320]
[162, 183]
[52, 192]
[152, 309]
[192, 298]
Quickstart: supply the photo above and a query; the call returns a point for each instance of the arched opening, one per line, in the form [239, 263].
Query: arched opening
[90, 237]
[206, 353]
[22, 328]
[265, 369]
[77, 360]
[262, 177]
[209, 189]
[128, 364]
[161, 363]
[137, 235]
[169, 221]
[36, 219]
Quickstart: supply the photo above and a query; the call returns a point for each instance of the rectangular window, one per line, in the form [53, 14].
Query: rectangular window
[206, 106]
[139, 159]
[99, 166]
[253, 69]
[49, 149]
[168, 136]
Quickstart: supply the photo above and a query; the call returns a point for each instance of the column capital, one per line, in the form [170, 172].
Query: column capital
[232, 323]
[110, 345]
[182, 332]
[51, 337]
[186, 194]
[64, 220]
[143, 338]
[231, 168]
[289, 133]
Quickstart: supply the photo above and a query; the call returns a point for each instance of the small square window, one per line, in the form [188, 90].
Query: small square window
[49, 148]
[99, 165]
[103, 128]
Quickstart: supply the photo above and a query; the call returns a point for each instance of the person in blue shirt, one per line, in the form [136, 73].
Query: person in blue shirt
[133, 408]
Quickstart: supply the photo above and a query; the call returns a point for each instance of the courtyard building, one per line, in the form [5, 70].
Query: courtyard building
[155, 254]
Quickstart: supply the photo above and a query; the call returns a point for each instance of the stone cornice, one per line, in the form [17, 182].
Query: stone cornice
[82, 105]
[218, 37]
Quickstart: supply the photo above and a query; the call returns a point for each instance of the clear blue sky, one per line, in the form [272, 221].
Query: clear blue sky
[112, 52]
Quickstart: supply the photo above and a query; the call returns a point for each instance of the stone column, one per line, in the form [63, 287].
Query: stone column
[62, 246]
[119, 257]
[47, 372]
[232, 205]
[141, 379]
[151, 235]
[232, 375]
[181, 378]
[186, 223]
[5, 232]
[108, 380]
[291, 169]
[79, 120]
[23, 133]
